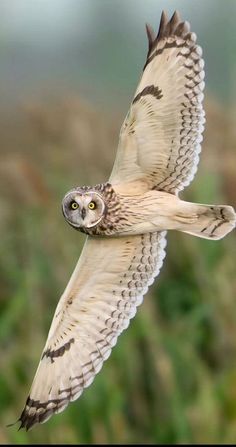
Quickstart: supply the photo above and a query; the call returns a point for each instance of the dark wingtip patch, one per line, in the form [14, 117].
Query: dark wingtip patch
[167, 28]
[151, 36]
[175, 18]
[163, 25]
[174, 22]
[41, 413]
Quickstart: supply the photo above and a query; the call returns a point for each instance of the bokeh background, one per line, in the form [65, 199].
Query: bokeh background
[68, 71]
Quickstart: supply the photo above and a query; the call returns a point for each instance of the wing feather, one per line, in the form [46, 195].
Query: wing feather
[161, 135]
[108, 284]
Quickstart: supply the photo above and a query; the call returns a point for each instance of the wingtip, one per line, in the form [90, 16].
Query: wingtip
[163, 23]
[27, 422]
[164, 17]
[21, 426]
[151, 35]
[176, 15]
[174, 26]
[175, 19]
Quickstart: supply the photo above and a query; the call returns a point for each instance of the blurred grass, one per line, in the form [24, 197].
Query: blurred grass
[171, 377]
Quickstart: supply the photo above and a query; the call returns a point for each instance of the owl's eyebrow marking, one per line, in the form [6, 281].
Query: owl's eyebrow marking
[58, 352]
[149, 90]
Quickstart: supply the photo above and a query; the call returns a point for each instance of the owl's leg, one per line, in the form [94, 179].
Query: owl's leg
[206, 221]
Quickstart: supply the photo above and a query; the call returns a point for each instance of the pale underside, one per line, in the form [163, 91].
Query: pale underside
[159, 146]
[90, 316]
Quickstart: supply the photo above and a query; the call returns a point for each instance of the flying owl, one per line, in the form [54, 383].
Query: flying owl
[126, 220]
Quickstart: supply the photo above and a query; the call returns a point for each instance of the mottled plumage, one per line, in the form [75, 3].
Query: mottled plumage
[126, 219]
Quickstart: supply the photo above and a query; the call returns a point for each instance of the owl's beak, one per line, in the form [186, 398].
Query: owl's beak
[83, 213]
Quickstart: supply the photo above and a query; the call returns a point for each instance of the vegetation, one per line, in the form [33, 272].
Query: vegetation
[171, 378]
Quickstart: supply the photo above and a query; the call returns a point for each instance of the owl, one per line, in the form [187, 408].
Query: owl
[126, 220]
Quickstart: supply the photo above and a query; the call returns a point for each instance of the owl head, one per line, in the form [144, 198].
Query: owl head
[83, 208]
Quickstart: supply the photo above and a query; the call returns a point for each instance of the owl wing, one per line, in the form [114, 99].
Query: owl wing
[108, 284]
[161, 135]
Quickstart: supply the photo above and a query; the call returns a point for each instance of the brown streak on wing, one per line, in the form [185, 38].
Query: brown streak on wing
[58, 352]
[149, 90]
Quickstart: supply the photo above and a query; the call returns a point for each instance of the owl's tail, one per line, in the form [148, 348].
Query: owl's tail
[207, 221]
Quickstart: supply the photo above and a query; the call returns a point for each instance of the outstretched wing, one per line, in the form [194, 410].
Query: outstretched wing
[161, 135]
[107, 285]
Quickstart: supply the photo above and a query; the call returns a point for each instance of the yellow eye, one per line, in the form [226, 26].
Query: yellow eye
[74, 205]
[92, 206]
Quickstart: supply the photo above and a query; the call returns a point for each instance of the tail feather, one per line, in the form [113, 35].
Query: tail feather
[213, 221]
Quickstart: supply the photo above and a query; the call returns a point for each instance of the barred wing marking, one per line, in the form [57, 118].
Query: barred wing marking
[161, 135]
[108, 284]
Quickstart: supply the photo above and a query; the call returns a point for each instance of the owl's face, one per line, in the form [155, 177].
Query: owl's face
[83, 209]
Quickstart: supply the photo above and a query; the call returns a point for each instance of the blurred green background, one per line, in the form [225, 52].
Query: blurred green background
[69, 69]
